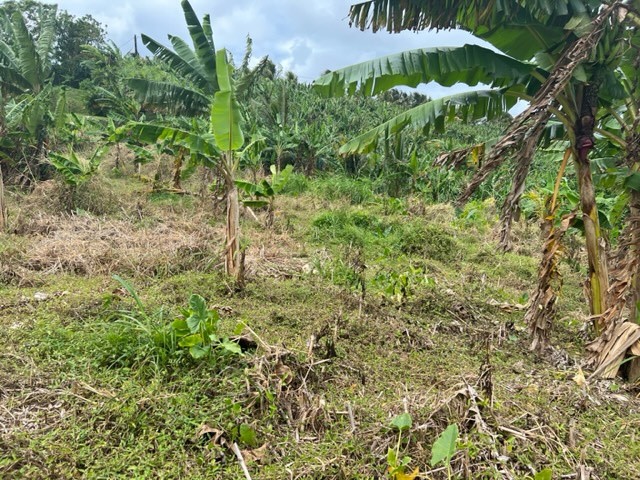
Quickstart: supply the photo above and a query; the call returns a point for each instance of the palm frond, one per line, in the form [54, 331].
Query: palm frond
[168, 95]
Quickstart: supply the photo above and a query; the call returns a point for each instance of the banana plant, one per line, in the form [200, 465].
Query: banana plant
[264, 193]
[196, 68]
[226, 126]
[76, 170]
[560, 56]
[215, 148]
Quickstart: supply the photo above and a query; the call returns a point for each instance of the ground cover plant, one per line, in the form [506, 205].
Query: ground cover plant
[366, 323]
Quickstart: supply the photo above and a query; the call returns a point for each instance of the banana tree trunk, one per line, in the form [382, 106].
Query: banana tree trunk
[598, 271]
[635, 251]
[3, 207]
[177, 166]
[584, 143]
[232, 231]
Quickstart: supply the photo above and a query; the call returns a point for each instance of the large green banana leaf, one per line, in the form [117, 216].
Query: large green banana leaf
[201, 144]
[470, 64]
[27, 57]
[177, 63]
[477, 104]
[202, 38]
[399, 15]
[225, 111]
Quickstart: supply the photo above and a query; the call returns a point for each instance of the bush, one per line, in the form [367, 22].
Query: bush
[296, 185]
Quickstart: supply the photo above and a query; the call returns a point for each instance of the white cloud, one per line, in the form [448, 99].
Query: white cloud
[306, 37]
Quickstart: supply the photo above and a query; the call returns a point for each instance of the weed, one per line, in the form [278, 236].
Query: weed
[355, 190]
[397, 466]
[142, 338]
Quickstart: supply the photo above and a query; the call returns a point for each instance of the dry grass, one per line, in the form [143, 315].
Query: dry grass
[88, 245]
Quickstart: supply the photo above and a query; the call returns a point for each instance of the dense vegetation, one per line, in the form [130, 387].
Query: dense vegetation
[209, 269]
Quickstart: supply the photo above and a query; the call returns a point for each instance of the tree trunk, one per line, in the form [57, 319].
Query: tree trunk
[177, 166]
[598, 275]
[3, 207]
[232, 230]
[634, 301]
[584, 143]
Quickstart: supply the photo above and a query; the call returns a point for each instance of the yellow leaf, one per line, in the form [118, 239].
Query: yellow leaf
[579, 378]
[408, 476]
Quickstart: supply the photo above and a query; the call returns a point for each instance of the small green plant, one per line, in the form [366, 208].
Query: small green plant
[194, 331]
[545, 474]
[398, 286]
[76, 170]
[444, 448]
[397, 467]
[264, 193]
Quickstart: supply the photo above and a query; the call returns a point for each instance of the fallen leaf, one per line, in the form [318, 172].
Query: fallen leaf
[579, 378]
[255, 455]
[408, 476]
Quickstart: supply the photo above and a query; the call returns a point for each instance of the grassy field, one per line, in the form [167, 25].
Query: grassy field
[357, 308]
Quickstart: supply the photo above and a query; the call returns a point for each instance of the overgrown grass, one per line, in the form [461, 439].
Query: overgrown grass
[89, 393]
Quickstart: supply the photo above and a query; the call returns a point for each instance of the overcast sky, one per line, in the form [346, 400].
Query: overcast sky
[306, 37]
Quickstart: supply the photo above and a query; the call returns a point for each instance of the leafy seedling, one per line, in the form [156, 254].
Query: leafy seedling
[397, 466]
[445, 447]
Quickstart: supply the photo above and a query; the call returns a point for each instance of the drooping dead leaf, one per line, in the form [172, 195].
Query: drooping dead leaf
[256, 455]
[408, 476]
[624, 336]
[542, 307]
[214, 435]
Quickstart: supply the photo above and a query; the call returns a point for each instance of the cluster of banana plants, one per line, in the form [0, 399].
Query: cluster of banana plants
[31, 108]
[575, 62]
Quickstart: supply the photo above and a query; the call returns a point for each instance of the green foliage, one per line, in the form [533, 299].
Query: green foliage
[267, 189]
[399, 286]
[225, 110]
[76, 170]
[196, 330]
[397, 465]
[429, 241]
[194, 69]
[546, 474]
[356, 191]
[402, 422]
[357, 228]
[143, 337]
[444, 447]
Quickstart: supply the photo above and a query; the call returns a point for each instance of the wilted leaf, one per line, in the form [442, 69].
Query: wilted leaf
[408, 476]
[580, 379]
[255, 455]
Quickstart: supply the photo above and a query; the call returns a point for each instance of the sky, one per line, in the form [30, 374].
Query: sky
[303, 36]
